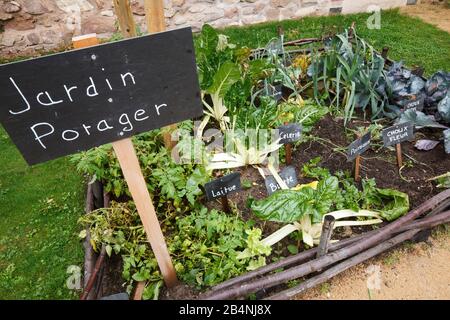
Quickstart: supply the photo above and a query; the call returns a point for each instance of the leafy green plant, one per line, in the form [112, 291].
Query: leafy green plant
[304, 208]
[346, 75]
[207, 247]
[443, 180]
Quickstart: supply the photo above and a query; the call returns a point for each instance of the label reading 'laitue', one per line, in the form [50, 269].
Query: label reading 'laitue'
[288, 175]
[69, 102]
[398, 133]
[358, 147]
[223, 186]
[290, 133]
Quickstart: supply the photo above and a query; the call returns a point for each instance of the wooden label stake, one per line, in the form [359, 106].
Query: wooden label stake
[129, 163]
[288, 151]
[398, 147]
[355, 149]
[225, 204]
[397, 134]
[357, 168]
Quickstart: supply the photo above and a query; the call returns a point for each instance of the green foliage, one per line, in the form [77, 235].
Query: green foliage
[255, 248]
[208, 247]
[332, 193]
[350, 72]
[443, 180]
[175, 186]
[39, 208]
[390, 203]
[290, 205]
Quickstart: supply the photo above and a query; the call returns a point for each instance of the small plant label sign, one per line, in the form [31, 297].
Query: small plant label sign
[223, 186]
[414, 104]
[288, 175]
[275, 92]
[398, 133]
[69, 102]
[289, 133]
[358, 147]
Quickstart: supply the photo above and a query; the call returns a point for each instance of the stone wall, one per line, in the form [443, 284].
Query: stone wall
[28, 26]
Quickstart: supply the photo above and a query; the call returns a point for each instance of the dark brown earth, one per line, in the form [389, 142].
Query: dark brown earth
[378, 162]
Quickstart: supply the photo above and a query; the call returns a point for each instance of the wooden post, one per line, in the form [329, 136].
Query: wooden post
[357, 168]
[154, 13]
[288, 151]
[125, 18]
[129, 163]
[325, 236]
[398, 147]
[139, 290]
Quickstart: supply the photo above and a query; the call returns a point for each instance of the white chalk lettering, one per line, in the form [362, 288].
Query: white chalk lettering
[109, 84]
[273, 187]
[126, 122]
[75, 135]
[50, 100]
[223, 191]
[86, 128]
[124, 76]
[68, 90]
[157, 107]
[103, 126]
[23, 97]
[39, 137]
[91, 91]
[139, 113]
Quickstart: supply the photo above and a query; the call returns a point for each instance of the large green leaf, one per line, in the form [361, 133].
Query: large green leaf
[290, 205]
[396, 203]
[227, 75]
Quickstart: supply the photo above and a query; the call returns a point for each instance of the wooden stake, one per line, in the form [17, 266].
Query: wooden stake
[325, 236]
[129, 163]
[288, 150]
[225, 204]
[139, 290]
[154, 12]
[398, 147]
[125, 18]
[357, 168]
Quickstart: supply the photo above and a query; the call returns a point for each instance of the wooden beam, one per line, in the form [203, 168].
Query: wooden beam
[131, 169]
[125, 18]
[154, 13]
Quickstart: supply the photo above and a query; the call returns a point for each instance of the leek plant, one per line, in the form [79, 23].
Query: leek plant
[349, 75]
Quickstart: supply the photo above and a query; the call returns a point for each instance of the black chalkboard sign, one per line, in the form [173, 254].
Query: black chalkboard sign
[414, 104]
[358, 147]
[290, 133]
[398, 133]
[69, 102]
[223, 186]
[288, 175]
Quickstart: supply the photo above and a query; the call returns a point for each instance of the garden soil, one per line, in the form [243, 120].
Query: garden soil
[418, 271]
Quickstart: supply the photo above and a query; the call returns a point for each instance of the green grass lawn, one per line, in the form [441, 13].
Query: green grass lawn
[39, 206]
[409, 39]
